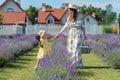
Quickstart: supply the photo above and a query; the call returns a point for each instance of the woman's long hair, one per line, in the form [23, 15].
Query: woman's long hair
[75, 14]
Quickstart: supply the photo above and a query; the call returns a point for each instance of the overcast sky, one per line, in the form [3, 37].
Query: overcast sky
[57, 3]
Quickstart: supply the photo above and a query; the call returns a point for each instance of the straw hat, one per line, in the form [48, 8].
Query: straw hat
[72, 6]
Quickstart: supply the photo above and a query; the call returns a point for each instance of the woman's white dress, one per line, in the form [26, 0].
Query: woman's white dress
[75, 37]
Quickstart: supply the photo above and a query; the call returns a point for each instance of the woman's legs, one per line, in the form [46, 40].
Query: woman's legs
[79, 52]
[80, 64]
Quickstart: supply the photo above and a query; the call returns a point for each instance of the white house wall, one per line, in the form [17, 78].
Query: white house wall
[10, 4]
[28, 22]
[64, 19]
[91, 26]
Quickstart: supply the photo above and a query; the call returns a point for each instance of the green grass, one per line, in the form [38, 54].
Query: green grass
[22, 69]
[96, 69]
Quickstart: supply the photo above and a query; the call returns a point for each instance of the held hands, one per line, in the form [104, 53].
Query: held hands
[56, 36]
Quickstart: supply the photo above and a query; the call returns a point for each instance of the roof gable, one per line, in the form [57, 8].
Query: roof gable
[56, 13]
[7, 1]
[90, 16]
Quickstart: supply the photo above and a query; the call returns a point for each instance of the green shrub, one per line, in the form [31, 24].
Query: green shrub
[107, 29]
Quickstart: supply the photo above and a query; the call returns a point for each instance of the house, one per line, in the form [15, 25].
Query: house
[52, 16]
[91, 24]
[58, 17]
[51, 20]
[14, 18]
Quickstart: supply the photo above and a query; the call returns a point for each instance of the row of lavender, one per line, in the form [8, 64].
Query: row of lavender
[12, 46]
[107, 47]
[58, 65]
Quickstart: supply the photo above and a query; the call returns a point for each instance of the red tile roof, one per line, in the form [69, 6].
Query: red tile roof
[56, 13]
[12, 18]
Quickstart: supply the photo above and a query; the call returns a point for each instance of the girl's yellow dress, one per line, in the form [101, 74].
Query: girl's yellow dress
[45, 48]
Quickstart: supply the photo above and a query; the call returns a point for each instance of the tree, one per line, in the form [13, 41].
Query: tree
[109, 8]
[110, 16]
[98, 15]
[1, 18]
[82, 9]
[32, 12]
[119, 19]
[63, 6]
[48, 6]
[90, 9]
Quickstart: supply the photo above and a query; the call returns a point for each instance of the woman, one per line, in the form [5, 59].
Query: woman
[76, 34]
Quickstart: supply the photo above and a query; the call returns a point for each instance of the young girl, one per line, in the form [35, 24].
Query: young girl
[45, 47]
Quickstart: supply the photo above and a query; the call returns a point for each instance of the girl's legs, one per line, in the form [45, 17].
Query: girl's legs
[37, 63]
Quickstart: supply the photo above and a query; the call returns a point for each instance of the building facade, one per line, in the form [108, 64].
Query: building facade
[14, 17]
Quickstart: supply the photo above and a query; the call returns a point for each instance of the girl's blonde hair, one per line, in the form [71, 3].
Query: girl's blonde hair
[41, 31]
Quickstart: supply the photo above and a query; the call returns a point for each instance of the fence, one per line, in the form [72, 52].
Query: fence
[94, 29]
[10, 29]
[52, 29]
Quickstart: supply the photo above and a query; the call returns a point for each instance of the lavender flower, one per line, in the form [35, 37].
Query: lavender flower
[107, 47]
[12, 46]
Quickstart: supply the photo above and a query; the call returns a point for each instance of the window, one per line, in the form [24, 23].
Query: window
[10, 9]
[88, 20]
[50, 21]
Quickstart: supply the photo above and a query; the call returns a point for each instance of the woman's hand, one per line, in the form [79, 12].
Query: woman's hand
[85, 37]
[56, 36]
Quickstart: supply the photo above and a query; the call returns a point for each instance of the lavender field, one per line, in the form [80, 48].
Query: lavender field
[12, 46]
[107, 47]
[58, 65]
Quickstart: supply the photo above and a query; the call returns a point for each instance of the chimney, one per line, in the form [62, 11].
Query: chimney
[43, 6]
[18, 1]
[93, 14]
[66, 5]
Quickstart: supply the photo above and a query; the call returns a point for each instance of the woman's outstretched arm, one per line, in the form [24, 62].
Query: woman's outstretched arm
[62, 30]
